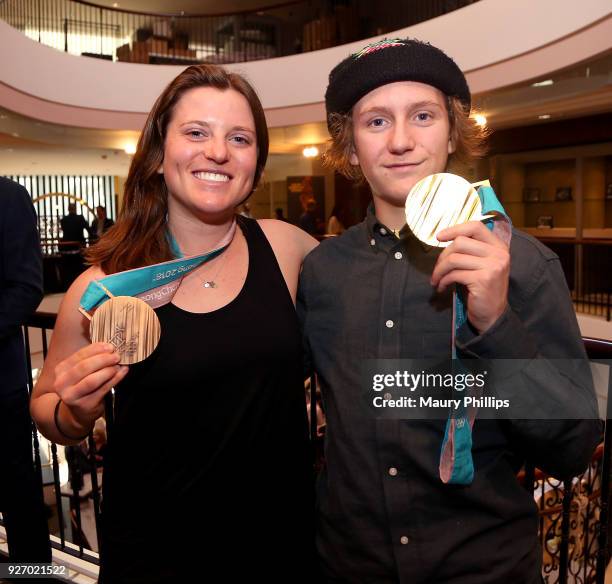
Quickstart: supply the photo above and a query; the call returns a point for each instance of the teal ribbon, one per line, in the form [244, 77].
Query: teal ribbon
[458, 431]
[140, 280]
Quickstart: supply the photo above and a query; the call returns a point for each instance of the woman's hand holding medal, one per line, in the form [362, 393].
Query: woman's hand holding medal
[82, 380]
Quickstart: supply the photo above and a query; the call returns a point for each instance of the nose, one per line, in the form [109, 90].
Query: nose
[401, 138]
[215, 149]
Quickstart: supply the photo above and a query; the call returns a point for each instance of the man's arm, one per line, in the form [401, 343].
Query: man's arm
[542, 342]
[22, 286]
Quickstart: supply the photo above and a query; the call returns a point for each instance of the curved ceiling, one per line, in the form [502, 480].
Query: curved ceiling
[508, 49]
[207, 7]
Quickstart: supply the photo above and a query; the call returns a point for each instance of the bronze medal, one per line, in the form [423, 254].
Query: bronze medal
[129, 324]
[439, 201]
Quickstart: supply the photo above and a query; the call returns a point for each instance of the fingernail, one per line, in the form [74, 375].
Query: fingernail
[124, 369]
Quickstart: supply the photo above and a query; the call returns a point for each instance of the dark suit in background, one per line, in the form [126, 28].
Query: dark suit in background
[21, 290]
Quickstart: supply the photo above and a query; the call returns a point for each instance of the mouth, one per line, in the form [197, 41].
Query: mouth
[211, 176]
[403, 165]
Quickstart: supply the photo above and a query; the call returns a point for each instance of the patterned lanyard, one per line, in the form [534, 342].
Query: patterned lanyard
[456, 463]
[155, 284]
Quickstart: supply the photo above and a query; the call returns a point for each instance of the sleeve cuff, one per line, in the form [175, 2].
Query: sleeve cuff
[507, 338]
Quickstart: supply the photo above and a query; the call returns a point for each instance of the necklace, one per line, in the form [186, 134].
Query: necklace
[212, 283]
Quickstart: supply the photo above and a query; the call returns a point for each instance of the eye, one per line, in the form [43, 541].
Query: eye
[377, 122]
[195, 134]
[424, 117]
[240, 140]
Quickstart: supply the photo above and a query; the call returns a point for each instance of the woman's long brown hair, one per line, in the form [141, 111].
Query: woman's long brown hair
[139, 236]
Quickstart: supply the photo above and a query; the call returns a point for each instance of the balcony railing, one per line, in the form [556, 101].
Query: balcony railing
[574, 515]
[586, 265]
[83, 28]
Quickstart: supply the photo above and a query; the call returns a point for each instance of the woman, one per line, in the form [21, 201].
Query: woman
[222, 483]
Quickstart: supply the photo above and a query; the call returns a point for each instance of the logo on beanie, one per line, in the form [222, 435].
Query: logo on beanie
[377, 46]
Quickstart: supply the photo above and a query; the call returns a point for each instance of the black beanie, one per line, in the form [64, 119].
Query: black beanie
[388, 61]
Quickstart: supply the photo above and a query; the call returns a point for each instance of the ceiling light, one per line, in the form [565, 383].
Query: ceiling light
[480, 119]
[542, 83]
[130, 148]
[310, 151]
[544, 117]
[15, 134]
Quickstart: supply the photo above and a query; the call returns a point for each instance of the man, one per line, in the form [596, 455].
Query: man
[101, 224]
[399, 111]
[73, 226]
[73, 240]
[21, 291]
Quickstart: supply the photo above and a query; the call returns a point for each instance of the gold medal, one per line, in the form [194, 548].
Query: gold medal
[129, 324]
[439, 201]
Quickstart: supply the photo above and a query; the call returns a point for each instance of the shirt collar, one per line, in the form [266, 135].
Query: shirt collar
[378, 233]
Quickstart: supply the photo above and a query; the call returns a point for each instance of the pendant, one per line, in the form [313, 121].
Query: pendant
[209, 284]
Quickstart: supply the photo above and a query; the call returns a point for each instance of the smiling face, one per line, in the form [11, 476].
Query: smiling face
[210, 153]
[401, 134]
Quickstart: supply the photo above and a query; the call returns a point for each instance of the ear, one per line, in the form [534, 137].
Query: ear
[353, 158]
[160, 168]
[452, 146]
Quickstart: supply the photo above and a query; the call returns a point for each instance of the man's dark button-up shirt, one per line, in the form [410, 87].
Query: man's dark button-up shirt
[384, 514]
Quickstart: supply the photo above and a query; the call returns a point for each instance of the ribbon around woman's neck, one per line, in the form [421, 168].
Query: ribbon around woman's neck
[155, 284]
[456, 463]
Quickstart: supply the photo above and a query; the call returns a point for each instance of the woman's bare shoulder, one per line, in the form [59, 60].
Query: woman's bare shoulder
[285, 237]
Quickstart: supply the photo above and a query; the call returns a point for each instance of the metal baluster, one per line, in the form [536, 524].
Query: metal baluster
[565, 525]
[58, 494]
[95, 489]
[76, 478]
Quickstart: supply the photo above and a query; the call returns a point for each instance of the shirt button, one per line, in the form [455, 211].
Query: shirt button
[372, 241]
[393, 471]
[398, 255]
[389, 324]
[383, 231]
[404, 540]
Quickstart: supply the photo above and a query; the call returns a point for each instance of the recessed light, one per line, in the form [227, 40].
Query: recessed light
[544, 117]
[310, 151]
[15, 134]
[542, 83]
[480, 119]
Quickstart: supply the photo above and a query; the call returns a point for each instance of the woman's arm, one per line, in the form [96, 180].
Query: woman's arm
[75, 371]
[290, 245]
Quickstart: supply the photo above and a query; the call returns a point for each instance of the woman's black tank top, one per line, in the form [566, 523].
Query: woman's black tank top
[208, 467]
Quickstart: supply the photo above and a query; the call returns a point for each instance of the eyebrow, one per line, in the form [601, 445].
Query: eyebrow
[385, 110]
[234, 129]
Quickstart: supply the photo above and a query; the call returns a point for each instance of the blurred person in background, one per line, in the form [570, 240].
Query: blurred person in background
[101, 224]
